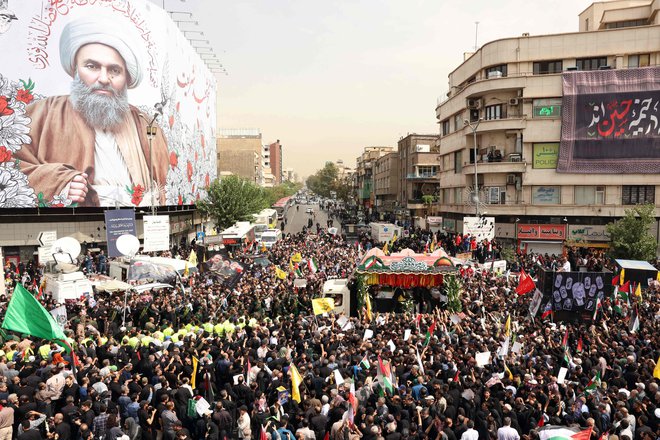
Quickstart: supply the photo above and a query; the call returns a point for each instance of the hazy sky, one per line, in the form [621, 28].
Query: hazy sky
[329, 78]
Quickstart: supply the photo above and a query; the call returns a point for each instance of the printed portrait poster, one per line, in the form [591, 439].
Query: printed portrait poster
[102, 103]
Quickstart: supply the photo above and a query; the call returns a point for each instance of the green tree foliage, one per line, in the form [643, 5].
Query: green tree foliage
[454, 291]
[232, 200]
[327, 180]
[630, 236]
[286, 189]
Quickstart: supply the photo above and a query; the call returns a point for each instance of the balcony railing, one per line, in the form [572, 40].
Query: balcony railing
[422, 175]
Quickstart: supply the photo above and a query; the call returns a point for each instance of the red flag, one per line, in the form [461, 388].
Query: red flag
[326, 436]
[564, 342]
[579, 345]
[541, 421]
[583, 435]
[456, 375]
[262, 435]
[625, 287]
[525, 283]
[418, 320]
[615, 281]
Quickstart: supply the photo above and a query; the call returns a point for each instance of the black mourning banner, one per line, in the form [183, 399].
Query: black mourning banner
[611, 121]
[575, 291]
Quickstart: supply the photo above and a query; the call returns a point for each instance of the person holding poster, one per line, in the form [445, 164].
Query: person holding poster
[91, 146]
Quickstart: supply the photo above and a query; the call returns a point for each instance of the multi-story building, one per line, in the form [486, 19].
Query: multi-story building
[419, 174]
[240, 153]
[386, 185]
[276, 161]
[364, 175]
[501, 121]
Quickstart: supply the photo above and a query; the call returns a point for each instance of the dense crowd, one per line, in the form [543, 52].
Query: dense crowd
[150, 375]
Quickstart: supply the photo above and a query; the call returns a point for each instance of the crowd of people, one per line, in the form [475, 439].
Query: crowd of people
[217, 361]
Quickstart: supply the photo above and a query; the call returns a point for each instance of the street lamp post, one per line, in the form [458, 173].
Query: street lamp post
[151, 134]
[473, 126]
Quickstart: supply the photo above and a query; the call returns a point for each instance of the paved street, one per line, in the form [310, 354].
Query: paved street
[296, 219]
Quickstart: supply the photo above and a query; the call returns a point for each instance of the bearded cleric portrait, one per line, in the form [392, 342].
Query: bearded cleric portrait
[91, 147]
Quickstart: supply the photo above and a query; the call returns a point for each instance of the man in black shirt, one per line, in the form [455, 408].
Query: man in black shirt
[62, 428]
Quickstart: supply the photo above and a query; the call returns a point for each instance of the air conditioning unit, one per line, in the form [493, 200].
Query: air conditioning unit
[513, 101]
[474, 104]
[510, 179]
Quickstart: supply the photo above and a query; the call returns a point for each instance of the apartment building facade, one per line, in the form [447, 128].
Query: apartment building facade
[503, 115]
[364, 174]
[386, 185]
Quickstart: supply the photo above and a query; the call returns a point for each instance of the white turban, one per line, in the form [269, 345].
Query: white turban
[112, 33]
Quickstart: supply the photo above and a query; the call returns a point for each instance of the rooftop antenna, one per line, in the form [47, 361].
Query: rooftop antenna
[476, 34]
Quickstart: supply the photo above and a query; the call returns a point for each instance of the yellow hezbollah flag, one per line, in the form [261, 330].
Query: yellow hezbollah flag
[296, 380]
[323, 305]
[186, 271]
[638, 291]
[622, 276]
[297, 257]
[279, 273]
[656, 370]
[507, 326]
[192, 258]
[291, 268]
[193, 379]
[385, 250]
[367, 303]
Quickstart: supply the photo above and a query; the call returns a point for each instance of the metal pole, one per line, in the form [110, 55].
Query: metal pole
[474, 127]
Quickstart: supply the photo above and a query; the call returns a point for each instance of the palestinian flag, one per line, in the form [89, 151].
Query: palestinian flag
[579, 345]
[633, 324]
[598, 306]
[553, 432]
[429, 333]
[385, 372]
[567, 356]
[593, 383]
[583, 435]
[625, 287]
[418, 320]
[547, 311]
[564, 342]
[615, 281]
[312, 266]
[298, 272]
[364, 363]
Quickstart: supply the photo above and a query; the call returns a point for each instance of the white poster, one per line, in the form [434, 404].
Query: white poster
[156, 233]
[481, 227]
[60, 316]
[482, 358]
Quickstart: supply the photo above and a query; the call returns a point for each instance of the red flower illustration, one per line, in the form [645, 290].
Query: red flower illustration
[24, 96]
[196, 156]
[207, 180]
[5, 155]
[174, 159]
[137, 195]
[4, 107]
[180, 200]
[189, 170]
[203, 142]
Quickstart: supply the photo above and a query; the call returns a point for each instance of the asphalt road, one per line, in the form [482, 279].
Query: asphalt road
[297, 218]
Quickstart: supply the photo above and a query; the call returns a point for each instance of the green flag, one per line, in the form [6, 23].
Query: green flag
[26, 315]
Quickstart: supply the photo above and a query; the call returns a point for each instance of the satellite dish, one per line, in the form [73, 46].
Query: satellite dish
[128, 245]
[66, 250]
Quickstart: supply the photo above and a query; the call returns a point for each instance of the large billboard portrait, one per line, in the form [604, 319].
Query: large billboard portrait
[611, 121]
[102, 103]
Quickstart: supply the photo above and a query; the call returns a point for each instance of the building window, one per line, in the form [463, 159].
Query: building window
[546, 195]
[496, 71]
[640, 60]
[425, 171]
[591, 63]
[627, 23]
[545, 67]
[546, 108]
[589, 195]
[445, 196]
[458, 162]
[445, 127]
[474, 115]
[458, 195]
[494, 112]
[637, 194]
[458, 123]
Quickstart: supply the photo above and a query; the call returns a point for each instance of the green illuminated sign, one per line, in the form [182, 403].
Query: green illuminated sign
[547, 111]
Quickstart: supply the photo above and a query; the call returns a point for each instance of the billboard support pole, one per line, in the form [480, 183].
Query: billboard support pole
[473, 126]
[151, 134]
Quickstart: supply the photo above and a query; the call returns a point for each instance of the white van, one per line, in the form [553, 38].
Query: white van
[337, 289]
[271, 236]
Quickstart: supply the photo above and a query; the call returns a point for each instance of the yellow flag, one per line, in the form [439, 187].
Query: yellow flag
[297, 257]
[656, 370]
[186, 270]
[508, 372]
[279, 273]
[394, 238]
[193, 379]
[622, 276]
[385, 250]
[507, 326]
[638, 291]
[296, 380]
[367, 304]
[192, 258]
[657, 276]
[323, 305]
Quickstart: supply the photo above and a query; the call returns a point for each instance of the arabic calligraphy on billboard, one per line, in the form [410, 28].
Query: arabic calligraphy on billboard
[102, 103]
[611, 121]
[541, 232]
